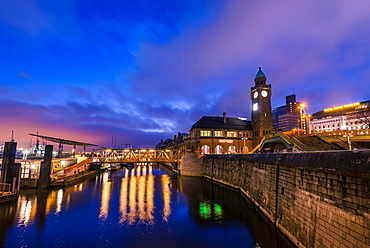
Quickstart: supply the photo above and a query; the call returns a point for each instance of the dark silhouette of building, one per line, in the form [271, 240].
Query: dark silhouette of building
[261, 108]
[288, 117]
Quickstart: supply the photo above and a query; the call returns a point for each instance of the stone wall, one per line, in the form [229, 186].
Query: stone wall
[191, 165]
[316, 199]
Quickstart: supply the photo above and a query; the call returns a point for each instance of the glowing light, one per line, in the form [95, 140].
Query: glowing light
[166, 191]
[59, 201]
[342, 107]
[255, 106]
[151, 150]
[123, 198]
[25, 212]
[105, 197]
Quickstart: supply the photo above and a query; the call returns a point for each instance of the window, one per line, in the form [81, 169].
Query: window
[219, 134]
[205, 133]
[231, 134]
[206, 149]
[219, 149]
[232, 150]
[245, 149]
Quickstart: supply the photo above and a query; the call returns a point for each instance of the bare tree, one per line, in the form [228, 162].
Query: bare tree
[364, 116]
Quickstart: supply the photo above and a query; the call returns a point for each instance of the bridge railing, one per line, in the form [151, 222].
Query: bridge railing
[136, 155]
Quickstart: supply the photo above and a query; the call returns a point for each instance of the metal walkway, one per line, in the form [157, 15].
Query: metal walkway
[135, 155]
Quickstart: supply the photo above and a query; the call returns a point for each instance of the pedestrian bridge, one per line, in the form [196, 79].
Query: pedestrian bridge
[136, 155]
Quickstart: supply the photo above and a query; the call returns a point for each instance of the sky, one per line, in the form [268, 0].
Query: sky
[139, 71]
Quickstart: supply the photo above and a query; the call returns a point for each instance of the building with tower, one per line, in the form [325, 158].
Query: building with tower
[229, 135]
[261, 108]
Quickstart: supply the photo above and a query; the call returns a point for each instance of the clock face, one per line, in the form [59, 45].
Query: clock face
[255, 95]
[264, 93]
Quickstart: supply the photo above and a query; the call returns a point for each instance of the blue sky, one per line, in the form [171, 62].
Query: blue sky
[145, 70]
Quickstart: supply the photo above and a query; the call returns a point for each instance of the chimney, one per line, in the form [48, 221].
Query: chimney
[224, 114]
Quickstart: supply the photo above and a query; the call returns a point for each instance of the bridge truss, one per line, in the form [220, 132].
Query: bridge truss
[135, 155]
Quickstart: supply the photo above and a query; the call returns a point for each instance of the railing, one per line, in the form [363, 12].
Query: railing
[136, 155]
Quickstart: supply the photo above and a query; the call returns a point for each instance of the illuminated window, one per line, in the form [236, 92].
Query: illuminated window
[206, 149]
[231, 134]
[232, 150]
[205, 133]
[245, 149]
[192, 134]
[219, 149]
[219, 134]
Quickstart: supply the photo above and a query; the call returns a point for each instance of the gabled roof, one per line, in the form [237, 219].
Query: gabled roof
[213, 122]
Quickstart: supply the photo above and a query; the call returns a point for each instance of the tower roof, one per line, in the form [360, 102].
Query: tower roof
[260, 74]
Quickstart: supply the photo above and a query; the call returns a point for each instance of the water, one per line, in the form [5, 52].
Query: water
[143, 207]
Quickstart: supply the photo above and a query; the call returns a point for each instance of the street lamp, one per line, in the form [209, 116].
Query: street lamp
[349, 140]
[302, 113]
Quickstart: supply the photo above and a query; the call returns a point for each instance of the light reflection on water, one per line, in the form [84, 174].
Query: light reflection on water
[131, 208]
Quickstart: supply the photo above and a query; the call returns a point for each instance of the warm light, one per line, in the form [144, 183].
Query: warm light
[108, 150]
[255, 106]
[143, 150]
[342, 107]
[151, 150]
[168, 150]
[166, 191]
[127, 150]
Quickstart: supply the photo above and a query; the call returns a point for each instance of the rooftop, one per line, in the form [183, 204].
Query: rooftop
[217, 122]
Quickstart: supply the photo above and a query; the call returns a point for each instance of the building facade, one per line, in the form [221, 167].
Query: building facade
[291, 116]
[350, 117]
[214, 135]
[221, 135]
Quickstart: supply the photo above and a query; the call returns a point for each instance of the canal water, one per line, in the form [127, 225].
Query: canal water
[142, 207]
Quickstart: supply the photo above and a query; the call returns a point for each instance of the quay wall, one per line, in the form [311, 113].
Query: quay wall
[316, 199]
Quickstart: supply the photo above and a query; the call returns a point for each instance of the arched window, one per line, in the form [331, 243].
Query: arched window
[232, 150]
[206, 149]
[219, 150]
[245, 149]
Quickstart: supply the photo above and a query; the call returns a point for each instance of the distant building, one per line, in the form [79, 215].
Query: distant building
[350, 117]
[290, 116]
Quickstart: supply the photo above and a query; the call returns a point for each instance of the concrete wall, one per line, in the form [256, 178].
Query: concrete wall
[316, 199]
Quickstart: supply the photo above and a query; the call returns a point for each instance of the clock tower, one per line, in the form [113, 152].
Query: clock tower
[261, 108]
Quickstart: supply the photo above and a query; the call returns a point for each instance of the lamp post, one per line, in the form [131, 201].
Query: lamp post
[349, 140]
[302, 113]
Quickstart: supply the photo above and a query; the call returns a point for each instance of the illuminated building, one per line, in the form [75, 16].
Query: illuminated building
[214, 135]
[221, 135]
[350, 117]
[229, 135]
